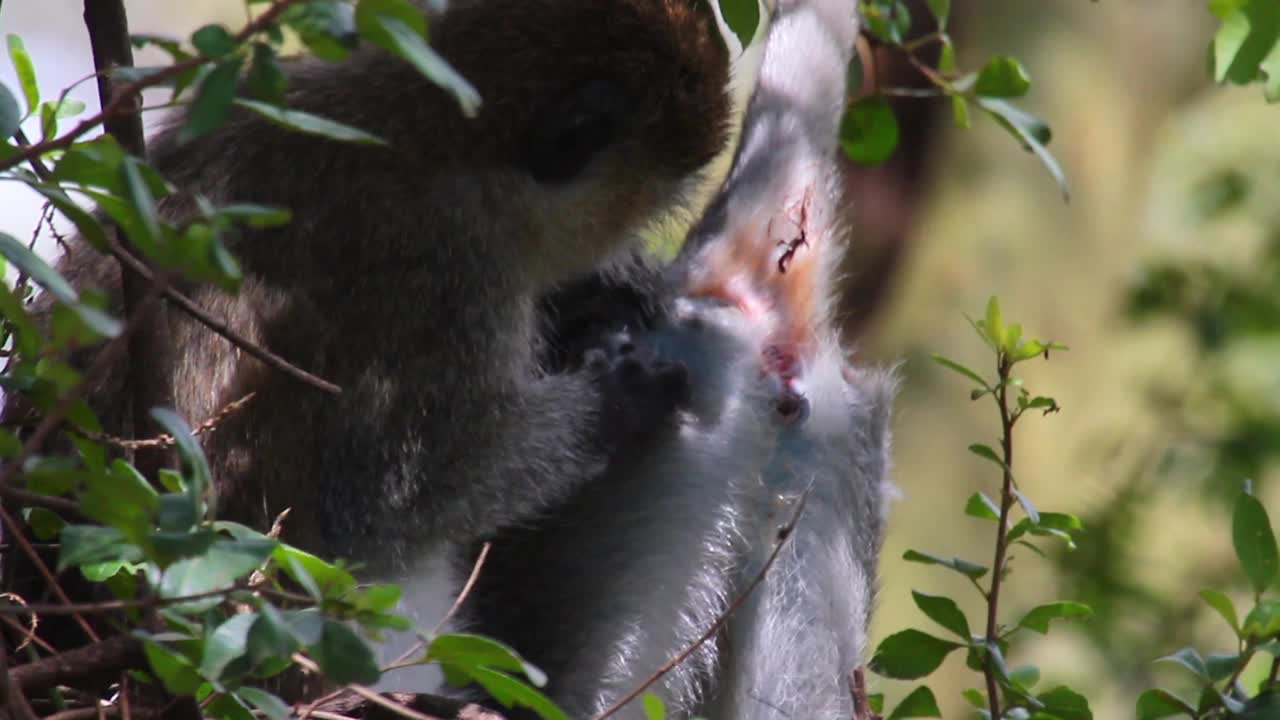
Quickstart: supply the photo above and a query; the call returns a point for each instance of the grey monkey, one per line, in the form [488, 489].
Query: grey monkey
[637, 566]
[410, 274]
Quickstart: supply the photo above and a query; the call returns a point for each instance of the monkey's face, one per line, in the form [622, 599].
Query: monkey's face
[601, 109]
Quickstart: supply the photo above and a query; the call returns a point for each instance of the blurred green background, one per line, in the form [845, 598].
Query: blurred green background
[1160, 274]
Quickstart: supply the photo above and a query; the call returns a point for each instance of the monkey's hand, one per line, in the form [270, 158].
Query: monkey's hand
[638, 390]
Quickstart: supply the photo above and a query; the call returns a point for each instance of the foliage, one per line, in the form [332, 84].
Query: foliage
[1222, 693]
[914, 654]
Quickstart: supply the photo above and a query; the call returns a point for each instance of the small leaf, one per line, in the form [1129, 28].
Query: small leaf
[1031, 132]
[869, 130]
[1255, 542]
[1038, 618]
[654, 708]
[22, 257]
[25, 71]
[266, 81]
[344, 657]
[226, 644]
[10, 113]
[270, 705]
[212, 104]
[311, 124]
[1065, 704]
[910, 654]
[981, 506]
[1263, 621]
[402, 40]
[963, 567]
[919, 703]
[941, 10]
[82, 544]
[216, 569]
[468, 651]
[1223, 605]
[1002, 77]
[1025, 677]
[953, 365]
[192, 456]
[742, 17]
[1028, 507]
[944, 611]
[985, 451]
[173, 669]
[1189, 659]
[993, 324]
[1155, 704]
[213, 41]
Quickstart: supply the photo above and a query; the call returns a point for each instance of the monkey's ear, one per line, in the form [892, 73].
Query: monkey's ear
[569, 133]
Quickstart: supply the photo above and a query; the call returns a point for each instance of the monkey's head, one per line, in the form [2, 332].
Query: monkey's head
[595, 115]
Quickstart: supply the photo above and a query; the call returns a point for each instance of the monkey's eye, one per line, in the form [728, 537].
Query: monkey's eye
[572, 132]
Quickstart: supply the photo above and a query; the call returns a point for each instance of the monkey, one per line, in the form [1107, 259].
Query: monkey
[637, 566]
[410, 274]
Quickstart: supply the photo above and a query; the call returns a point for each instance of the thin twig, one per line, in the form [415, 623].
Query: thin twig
[126, 93]
[367, 693]
[11, 526]
[997, 565]
[166, 440]
[222, 328]
[105, 606]
[784, 534]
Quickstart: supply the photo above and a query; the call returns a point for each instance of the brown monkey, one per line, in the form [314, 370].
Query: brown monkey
[410, 274]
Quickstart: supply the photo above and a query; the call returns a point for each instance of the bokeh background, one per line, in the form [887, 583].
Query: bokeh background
[1162, 274]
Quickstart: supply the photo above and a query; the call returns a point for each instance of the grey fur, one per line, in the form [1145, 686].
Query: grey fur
[638, 565]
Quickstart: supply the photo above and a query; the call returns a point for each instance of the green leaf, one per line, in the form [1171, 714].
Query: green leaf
[189, 450]
[465, 651]
[311, 124]
[869, 130]
[1156, 703]
[266, 81]
[82, 544]
[1028, 507]
[213, 41]
[1255, 542]
[975, 697]
[1263, 621]
[654, 708]
[84, 221]
[22, 257]
[993, 323]
[960, 112]
[173, 669]
[742, 17]
[227, 707]
[1189, 659]
[511, 692]
[985, 451]
[963, 567]
[957, 367]
[121, 498]
[270, 637]
[256, 216]
[25, 71]
[918, 703]
[1246, 37]
[212, 104]
[888, 20]
[226, 644]
[411, 47]
[270, 705]
[142, 202]
[1223, 606]
[10, 113]
[1038, 618]
[941, 10]
[1002, 77]
[1031, 132]
[945, 612]
[1221, 665]
[343, 656]
[216, 569]
[910, 655]
[1025, 676]
[1065, 704]
[1270, 66]
[981, 506]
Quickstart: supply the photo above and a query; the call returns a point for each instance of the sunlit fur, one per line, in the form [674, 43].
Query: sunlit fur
[643, 561]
